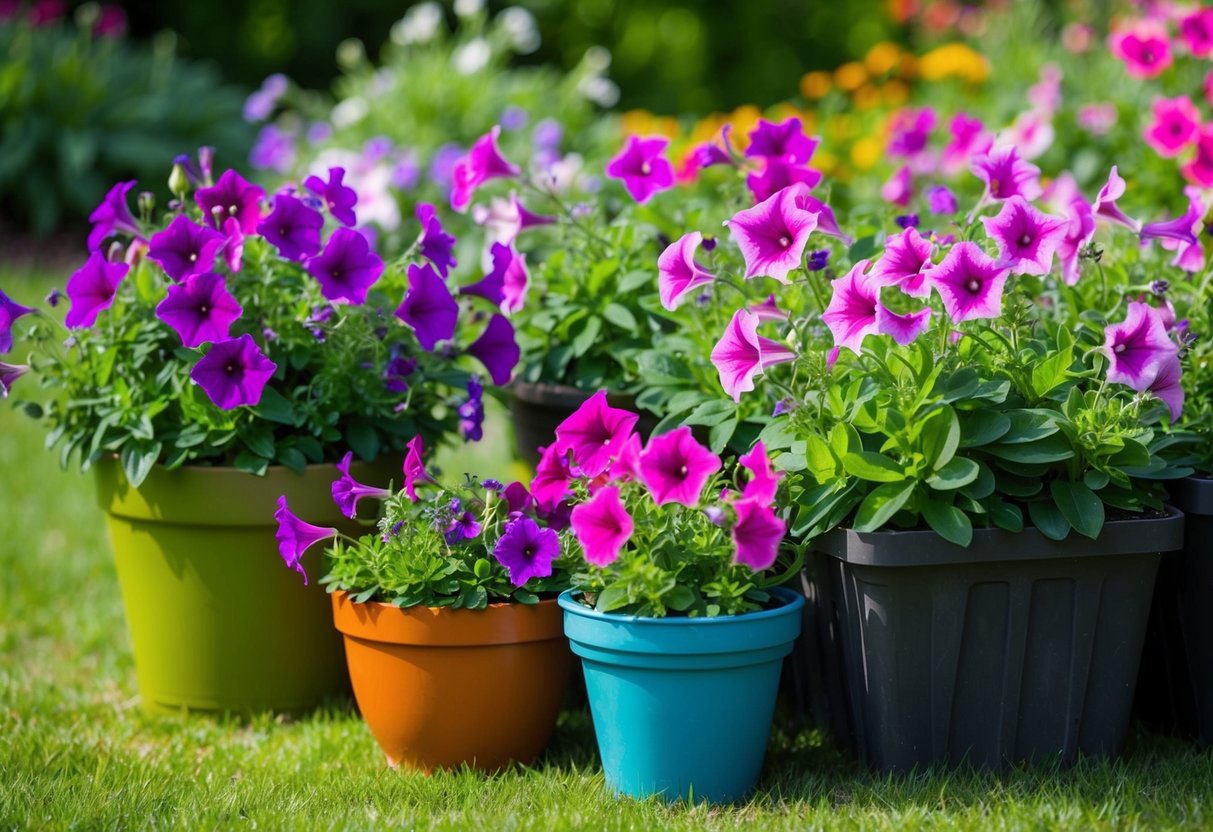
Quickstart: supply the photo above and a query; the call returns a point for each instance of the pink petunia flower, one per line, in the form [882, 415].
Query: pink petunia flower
[642, 168]
[1006, 174]
[905, 263]
[772, 235]
[902, 328]
[482, 163]
[969, 139]
[550, 484]
[899, 189]
[414, 466]
[1166, 386]
[1080, 228]
[91, 289]
[595, 434]
[677, 272]
[764, 481]
[785, 141]
[602, 526]
[778, 174]
[675, 467]
[851, 313]
[1138, 347]
[1026, 237]
[1105, 202]
[756, 535]
[1175, 125]
[1143, 47]
[1199, 169]
[296, 536]
[1196, 30]
[970, 282]
[741, 354]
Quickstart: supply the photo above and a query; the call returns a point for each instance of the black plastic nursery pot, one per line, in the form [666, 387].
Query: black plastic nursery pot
[537, 409]
[920, 652]
[1175, 685]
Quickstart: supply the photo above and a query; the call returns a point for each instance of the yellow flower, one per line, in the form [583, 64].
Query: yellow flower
[815, 85]
[954, 60]
[867, 97]
[882, 58]
[866, 152]
[644, 123]
[744, 119]
[895, 92]
[850, 76]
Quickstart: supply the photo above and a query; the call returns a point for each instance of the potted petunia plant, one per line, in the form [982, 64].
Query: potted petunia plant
[971, 420]
[448, 612]
[224, 354]
[675, 611]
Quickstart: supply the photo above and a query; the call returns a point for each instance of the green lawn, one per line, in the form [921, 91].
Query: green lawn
[77, 751]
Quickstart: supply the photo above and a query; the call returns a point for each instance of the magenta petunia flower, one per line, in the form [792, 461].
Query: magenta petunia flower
[602, 526]
[768, 310]
[526, 550]
[482, 163]
[785, 141]
[506, 283]
[1138, 347]
[234, 372]
[428, 307]
[10, 311]
[969, 139]
[347, 491]
[851, 313]
[902, 328]
[941, 200]
[9, 373]
[550, 484]
[1196, 29]
[200, 309]
[1105, 202]
[756, 535]
[346, 268]
[436, 245]
[296, 536]
[185, 248]
[339, 198]
[910, 131]
[1006, 175]
[1144, 48]
[232, 197]
[292, 227]
[1026, 238]
[772, 235]
[595, 434]
[677, 272]
[1199, 169]
[827, 223]
[505, 219]
[1182, 229]
[675, 467]
[1174, 126]
[414, 466]
[970, 282]
[905, 263]
[1080, 228]
[113, 214]
[497, 349]
[627, 463]
[777, 175]
[91, 289]
[642, 168]
[764, 481]
[1167, 387]
[233, 245]
[741, 354]
[899, 189]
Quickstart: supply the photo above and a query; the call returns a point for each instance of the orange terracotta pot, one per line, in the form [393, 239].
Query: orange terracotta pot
[440, 687]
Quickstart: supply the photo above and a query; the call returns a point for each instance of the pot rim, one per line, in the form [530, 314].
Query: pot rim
[792, 601]
[501, 623]
[1193, 495]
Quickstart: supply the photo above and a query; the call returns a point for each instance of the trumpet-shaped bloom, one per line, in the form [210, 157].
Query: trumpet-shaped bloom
[764, 481]
[551, 481]
[506, 283]
[1006, 174]
[969, 139]
[741, 354]
[482, 163]
[1199, 169]
[10, 311]
[677, 272]
[200, 309]
[785, 141]
[1181, 229]
[1167, 387]
[347, 491]
[185, 248]
[436, 245]
[1026, 237]
[827, 223]
[9, 373]
[1196, 29]
[346, 268]
[414, 466]
[1105, 202]
[1175, 125]
[505, 219]
[595, 434]
[602, 526]
[642, 168]
[910, 131]
[941, 200]
[675, 467]
[428, 307]
[234, 372]
[756, 534]
[497, 349]
[970, 283]
[899, 189]
[776, 175]
[338, 197]
[851, 314]
[627, 464]
[1144, 48]
[526, 550]
[902, 328]
[905, 263]
[1080, 228]
[113, 214]
[772, 235]
[295, 536]
[232, 197]
[292, 227]
[1138, 347]
[91, 289]
[768, 310]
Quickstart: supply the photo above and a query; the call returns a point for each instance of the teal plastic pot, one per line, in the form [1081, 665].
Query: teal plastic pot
[682, 707]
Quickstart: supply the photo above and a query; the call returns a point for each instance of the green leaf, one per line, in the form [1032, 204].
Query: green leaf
[637, 279]
[940, 437]
[1132, 455]
[138, 459]
[712, 413]
[868, 465]
[862, 249]
[523, 596]
[363, 439]
[981, 487]
[292, 458]
[680, 598]
[612, 598]
[259, 439]
[1049, 519]
[1051, 373]
[982, 427]
[1050, 449]
[1006, 516]
[719, 435]
[274, 407]
[585, 339]
[1095, 479]
[620, 316]
[482, 568]
[822, 464]
[948, 521]
[1079, 505]
[881, 504]
[956, 474]
[844, 439]
[251, 463]
[1029, 426]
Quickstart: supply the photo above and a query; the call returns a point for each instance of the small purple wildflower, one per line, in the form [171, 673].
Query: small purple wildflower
[471, 412]
[941, 200]
[907, 221]
[818, 259]
[339, 198]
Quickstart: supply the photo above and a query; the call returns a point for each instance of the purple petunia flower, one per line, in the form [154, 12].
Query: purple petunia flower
[1167, 387]
[902, 328]
[9, 373]
[10, 311]
[232, 197]
[428, 307]
[1105, 202]
[677, 272]
[1080, 228]
[899, 189]
[595, 434]
[818, 259]
[827, 223]
[910, 131]
[1138, 347]
[905, 263]
[602, 526]
[756, 535]
[346, 268]
[785, 141]
[482, 163]
[113, 214]
[234, 372]
[185, 248]
[777, 175]
[462, 527]
[772, 235]
[53, 297]
[497, 349]
[675, 467]
[296, 536]
[340, 199]
[642, 168]
[526, 550]
[1181, 229]
[471, 412]
[741, 354]
[1026, 237]
[436, 245]
[347, 491]
[851, 313]
[941, 200]
[414, 467]
[970, 282]
[260, 105]
[91, 289]
[969, 139]
[199, 309]
[292, 227]
[1006, 175]
[398, 369]
[274, 150]
[906, 221]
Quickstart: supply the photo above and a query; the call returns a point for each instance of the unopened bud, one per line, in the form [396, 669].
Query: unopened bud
[179, 181]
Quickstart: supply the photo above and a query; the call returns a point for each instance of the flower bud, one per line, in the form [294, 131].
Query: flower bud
[147, 204]
[179, 181]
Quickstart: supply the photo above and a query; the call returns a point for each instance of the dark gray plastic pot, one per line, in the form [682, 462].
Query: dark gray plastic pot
[1175, 686]
[1016, 648]
[537, 409]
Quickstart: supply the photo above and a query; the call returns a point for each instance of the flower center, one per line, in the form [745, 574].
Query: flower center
[646, 168]
[230, 369]
[973, 285]
[785, 241]
[204, 309]
[683, 470]
[282, 231]
[995, 185]
[1025, 240]
[193, 257]
[232, 209]
[528, 551]
[1119, 348]
[336, 273]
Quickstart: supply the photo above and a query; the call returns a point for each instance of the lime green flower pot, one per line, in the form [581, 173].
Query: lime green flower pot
[217, 621]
